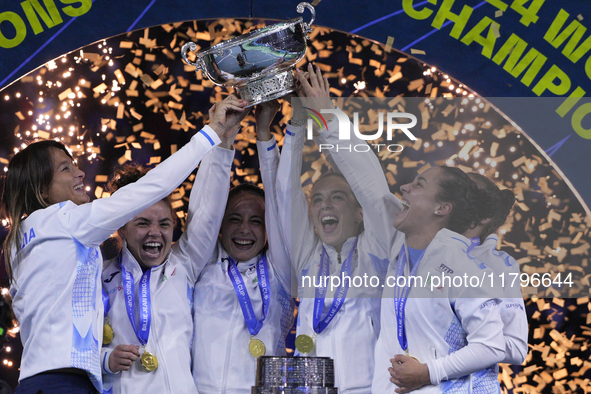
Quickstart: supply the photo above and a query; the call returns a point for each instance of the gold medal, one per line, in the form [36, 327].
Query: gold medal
[407, 354]
[304, 343]
[149, 361]
[107, 334]
[257, 348]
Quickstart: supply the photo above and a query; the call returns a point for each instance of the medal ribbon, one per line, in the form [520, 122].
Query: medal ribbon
[106, 302]
[254, 325]
[339, 296]
[401, 295]
[143, 331]
[474, 242]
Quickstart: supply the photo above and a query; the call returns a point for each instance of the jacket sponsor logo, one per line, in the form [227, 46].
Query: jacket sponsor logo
[110, 278]
[513, 306]
[444, 269]
[489, 303]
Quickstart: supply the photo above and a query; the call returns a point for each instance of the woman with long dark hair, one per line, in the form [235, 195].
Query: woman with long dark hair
[53, 258]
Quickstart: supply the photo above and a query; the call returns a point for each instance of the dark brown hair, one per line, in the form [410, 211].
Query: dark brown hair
[463, 194]
[130, 173]
[496, 206]
[30, 172]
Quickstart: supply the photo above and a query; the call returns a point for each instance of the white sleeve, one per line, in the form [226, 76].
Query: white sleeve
[514, 316]
[294, 218]
[268, 153]
[105, 355]
[481, 320]
[92, 223]
[366, 177]
[207, 204]
[515, 330]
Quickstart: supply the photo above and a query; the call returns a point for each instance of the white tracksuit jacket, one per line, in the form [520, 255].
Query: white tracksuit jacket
[512, 308]
[455, 330]
[350, 337]
[171, 291]
[56, 290]
[222, 363]
[428, 321]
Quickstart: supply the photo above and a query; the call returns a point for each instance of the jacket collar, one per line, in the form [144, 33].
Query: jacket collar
[243, 266]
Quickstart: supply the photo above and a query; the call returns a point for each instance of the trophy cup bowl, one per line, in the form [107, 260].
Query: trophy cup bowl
[259, 64]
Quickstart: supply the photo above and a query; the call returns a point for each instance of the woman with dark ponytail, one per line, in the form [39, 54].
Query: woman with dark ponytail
[53, 257]
[482, 233]
[453, 329]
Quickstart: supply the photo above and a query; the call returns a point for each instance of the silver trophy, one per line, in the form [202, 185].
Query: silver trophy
[294, 375]
[259, 64]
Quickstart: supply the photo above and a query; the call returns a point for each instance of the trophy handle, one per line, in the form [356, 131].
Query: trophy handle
[190, 46]
[300, 10]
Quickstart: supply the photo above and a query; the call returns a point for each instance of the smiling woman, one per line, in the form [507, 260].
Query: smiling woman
[336, 213]
[56, 272]
[242, 303]
[243, 229]
[148, 236]
[340, 234]
[67, 183]
[45, 198]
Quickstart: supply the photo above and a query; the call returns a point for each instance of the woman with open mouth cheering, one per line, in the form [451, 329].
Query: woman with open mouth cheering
[339, 235]
[152, 352]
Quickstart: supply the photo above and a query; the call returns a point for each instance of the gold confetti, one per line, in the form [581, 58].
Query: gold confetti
[389, 43]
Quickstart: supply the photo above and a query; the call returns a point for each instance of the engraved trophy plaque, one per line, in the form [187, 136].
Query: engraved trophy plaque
[258, 64]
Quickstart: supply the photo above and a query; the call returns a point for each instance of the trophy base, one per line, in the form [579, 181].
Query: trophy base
[266, 88]
[295, 390]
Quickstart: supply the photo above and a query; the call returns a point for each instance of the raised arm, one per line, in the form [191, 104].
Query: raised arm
[206, 210]
[269, 161]
[92, 223]
[296, 224]
[360, 167]
[208, 201]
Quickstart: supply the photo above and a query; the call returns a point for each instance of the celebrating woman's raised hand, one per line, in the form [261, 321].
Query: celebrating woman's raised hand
[315, 90]
[264, 115]
[226, 114]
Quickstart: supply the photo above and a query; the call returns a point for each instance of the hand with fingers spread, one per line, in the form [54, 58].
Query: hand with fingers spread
[264, 115]
[122, 357]
[225, 114]
[315, 90]
[408, 373]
